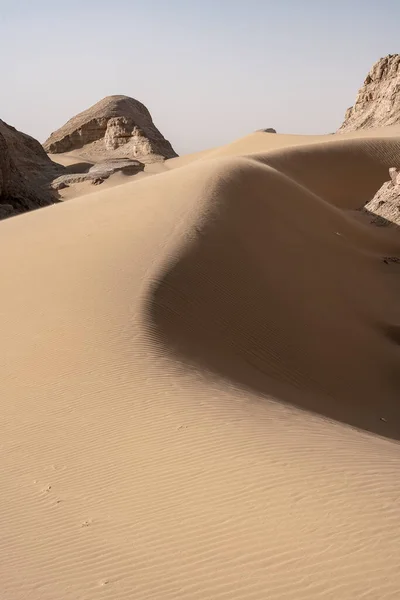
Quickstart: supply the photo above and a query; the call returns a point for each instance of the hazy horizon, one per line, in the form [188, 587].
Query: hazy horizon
[208, 74]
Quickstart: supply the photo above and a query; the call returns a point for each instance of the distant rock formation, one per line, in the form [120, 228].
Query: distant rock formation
[115, 127]
[384, 208]
[99, 172]
[268, 130]
[25, 172]
[378, 101]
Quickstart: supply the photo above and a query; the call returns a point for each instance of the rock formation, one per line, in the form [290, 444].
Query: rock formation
[378, 101]
[25, 172]
[99, 172]
[384, 208]
[268, 130]
[115, 127]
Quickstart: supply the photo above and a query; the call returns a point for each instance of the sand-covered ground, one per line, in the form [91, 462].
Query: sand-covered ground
[200, 382]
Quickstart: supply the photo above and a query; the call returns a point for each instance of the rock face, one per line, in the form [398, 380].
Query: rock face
[378, 101]
[268, 130]
[25, 172]
[384, 208]
[117, 126]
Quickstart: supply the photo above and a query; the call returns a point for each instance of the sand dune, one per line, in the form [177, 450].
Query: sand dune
[200, 382]
[263, 142]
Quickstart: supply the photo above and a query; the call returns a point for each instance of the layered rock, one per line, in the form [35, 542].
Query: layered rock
[117, 126]
[384, 208]
[25, 172]
[378, 101]
[99, 172]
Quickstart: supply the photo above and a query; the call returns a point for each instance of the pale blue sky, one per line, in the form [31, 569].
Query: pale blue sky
[209, 71]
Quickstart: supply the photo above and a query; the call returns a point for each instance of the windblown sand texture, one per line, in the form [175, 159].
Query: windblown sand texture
[200, 382]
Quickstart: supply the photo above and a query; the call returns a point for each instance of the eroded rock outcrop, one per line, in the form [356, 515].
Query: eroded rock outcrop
[117, 126]
[99, 172]
[384, 208]
[25, 172]
[378, 101]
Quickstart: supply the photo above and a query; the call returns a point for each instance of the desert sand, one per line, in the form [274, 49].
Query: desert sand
[200, 381]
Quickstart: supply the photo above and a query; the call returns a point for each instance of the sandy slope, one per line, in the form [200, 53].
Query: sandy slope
[200, 383]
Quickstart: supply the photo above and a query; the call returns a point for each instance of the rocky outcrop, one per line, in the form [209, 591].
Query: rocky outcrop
[384, 208]
[109, 167]
[25, 172]
[268, 130]
[99, 172]
[378, 101]
[117, 126]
